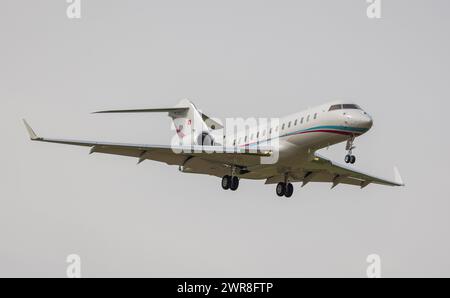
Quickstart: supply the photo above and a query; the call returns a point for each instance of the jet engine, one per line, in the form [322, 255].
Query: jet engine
[205, 139]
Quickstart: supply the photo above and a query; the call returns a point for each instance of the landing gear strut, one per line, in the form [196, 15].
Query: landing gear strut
[349, 158]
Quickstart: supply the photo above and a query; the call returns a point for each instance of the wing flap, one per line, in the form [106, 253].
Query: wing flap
[346, 174]
[321, 169]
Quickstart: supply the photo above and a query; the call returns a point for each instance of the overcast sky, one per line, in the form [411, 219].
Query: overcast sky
[233, 59]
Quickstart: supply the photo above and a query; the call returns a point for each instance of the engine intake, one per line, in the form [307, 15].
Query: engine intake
[205, 139]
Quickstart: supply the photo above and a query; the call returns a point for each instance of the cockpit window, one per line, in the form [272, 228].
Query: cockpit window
[351, 106]
[335, 107]
[344, 106]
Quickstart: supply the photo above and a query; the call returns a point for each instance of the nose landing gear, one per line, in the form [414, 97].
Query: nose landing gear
[349, 158]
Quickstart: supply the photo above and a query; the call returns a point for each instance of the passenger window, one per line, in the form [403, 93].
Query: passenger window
[289, 125]
[257, 135]
[315, 116]
[246, 138]
[270, 131]
[282, 128]
[295, 123]
[301, 121]
[307, 119]
[234, 142]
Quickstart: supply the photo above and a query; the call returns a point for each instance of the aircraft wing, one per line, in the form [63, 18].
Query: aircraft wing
[216, 157]
[322, 169]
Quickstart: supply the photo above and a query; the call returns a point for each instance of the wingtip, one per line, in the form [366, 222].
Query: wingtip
[398, 177]
[31, 133]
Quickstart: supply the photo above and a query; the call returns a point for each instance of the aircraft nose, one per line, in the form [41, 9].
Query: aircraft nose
[366, 121]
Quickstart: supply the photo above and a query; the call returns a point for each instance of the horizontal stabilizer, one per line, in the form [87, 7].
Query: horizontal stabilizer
[168, 110]
[177, 112]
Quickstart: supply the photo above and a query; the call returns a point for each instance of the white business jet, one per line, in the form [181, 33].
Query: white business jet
[298, 137]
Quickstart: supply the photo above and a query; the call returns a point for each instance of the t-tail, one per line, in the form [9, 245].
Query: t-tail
[192, 126]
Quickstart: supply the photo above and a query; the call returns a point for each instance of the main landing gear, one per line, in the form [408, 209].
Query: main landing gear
[285, 189]
[230, 182]
[349, 158]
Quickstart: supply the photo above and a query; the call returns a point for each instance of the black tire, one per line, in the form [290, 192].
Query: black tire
[280, 189]
[234, 183]
[348, 158]
[352, 159]
[289, 190]
[226, 182]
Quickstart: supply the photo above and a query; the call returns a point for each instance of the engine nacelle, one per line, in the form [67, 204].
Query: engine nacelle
[205, 139]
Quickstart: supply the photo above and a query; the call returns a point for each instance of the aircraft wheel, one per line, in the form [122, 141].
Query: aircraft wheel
[234, 183]
[352, 159]
[348, 158]
[226, 182]
[281, 189]
[289, 190]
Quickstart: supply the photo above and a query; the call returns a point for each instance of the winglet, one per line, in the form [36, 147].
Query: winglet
[31, 132]
[397, 177]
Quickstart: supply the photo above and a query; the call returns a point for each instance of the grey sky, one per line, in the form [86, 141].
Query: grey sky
[232, 58]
